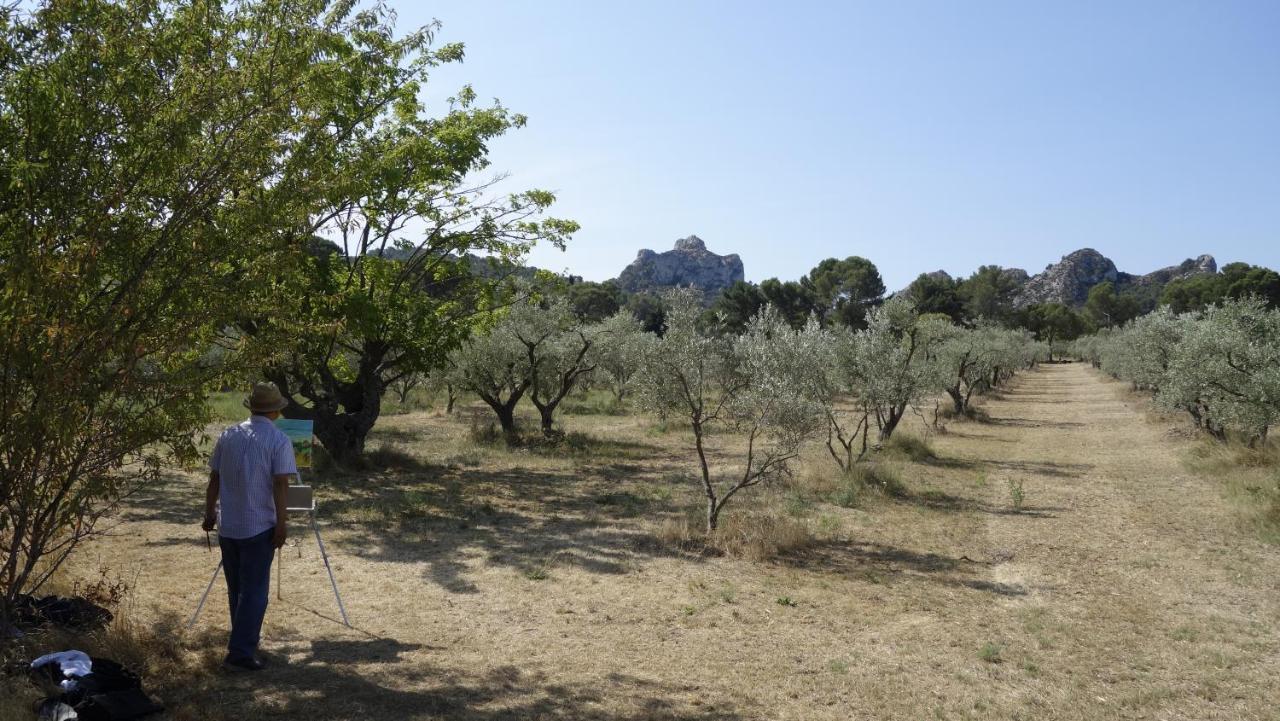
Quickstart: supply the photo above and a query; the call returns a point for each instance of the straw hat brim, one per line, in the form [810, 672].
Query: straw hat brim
[277, 406]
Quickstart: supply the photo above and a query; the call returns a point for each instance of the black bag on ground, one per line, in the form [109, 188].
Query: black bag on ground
[106, 677]
[110, 692]
[124, 705]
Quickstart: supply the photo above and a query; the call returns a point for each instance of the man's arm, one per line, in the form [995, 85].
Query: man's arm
[280, 491]
[210, 501]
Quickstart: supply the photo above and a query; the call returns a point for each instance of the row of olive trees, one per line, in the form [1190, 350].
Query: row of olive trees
[774, 385]
[1220, 366]
[539, 349]
[779, 387]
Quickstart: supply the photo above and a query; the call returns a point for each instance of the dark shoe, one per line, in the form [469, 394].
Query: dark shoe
[249, 663]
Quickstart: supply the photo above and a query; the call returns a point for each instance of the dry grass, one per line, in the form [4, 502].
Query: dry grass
[157, 648]
[540, 582]
[754, 534]
[1250, 477]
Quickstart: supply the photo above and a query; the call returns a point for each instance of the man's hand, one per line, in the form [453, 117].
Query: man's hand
[281, 533]
[210, 520]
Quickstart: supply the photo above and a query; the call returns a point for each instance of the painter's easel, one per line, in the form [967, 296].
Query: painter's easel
[299, 499]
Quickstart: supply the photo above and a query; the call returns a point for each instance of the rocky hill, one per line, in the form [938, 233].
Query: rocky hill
[1069, 280]
[689, 264]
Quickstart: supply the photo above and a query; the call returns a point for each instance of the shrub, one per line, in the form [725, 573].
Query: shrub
[1016, 494]
[990, 653]
[760, 535]
[914, 448]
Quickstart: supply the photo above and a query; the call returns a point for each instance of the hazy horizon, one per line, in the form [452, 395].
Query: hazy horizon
[924, 136]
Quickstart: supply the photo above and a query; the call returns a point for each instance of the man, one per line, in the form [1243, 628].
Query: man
[248, 482]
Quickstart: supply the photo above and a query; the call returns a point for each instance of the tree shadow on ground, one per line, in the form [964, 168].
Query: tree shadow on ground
[983, 437]
[385, 679]
[455, 520]
[1041, 468]
[1033, 423]
[173, 498]
[882, 563]
[941, 501]
[521, 519]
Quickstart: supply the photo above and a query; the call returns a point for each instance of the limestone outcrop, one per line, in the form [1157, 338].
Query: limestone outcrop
[689, 264]
[1069, 280]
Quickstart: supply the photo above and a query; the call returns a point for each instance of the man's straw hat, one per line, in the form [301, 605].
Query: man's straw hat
[265, 398]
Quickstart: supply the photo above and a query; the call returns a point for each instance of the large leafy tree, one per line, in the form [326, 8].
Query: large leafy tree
[794, 300]
[399, 197]
[1106, 308]
[989, 293]
[1237, 280]
[738, 304]
[593, 302]
[844, 290]
[937, 294]
[1053, 322]
[157, 161]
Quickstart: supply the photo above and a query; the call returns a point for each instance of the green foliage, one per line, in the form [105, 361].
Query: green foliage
[755, 383]
[738, 304]
[392, 184]
[620, 348]
[989, 294]
[844, 290]
[1235, 281]
[990, 653]
[1106, 308]
[1052, 322]
[794, 300]
[158, 158]
[649, 310]
[937, 294]
[1017, 495]
[536, 347]
[594, 302]
[1221, 366]
[979, 359]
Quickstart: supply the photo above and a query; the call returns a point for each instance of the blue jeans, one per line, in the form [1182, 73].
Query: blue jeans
[246, 562]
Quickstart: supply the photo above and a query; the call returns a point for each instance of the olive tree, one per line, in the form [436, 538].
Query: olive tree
[754, 384]
[1228, 362]
[620, 347]
[891, 364]
[979, 359]
[557, 353]
[536, 348]
[492, 366]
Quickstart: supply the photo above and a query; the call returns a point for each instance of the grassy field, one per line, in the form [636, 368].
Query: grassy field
[1072, 558]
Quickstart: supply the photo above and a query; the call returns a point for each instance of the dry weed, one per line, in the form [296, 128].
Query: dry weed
[760, 535]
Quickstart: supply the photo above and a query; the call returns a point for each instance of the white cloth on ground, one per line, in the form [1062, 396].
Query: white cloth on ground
[73, 664]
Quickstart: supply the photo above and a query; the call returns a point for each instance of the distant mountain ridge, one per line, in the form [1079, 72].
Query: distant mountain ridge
[1070, 279]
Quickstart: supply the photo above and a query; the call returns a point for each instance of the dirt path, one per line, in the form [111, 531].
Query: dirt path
[1142, 599]
[524, 589]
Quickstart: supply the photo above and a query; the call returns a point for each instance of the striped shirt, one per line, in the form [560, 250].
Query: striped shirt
[246, 458]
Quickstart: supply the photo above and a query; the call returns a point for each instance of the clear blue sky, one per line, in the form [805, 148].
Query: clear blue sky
[919, 135]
